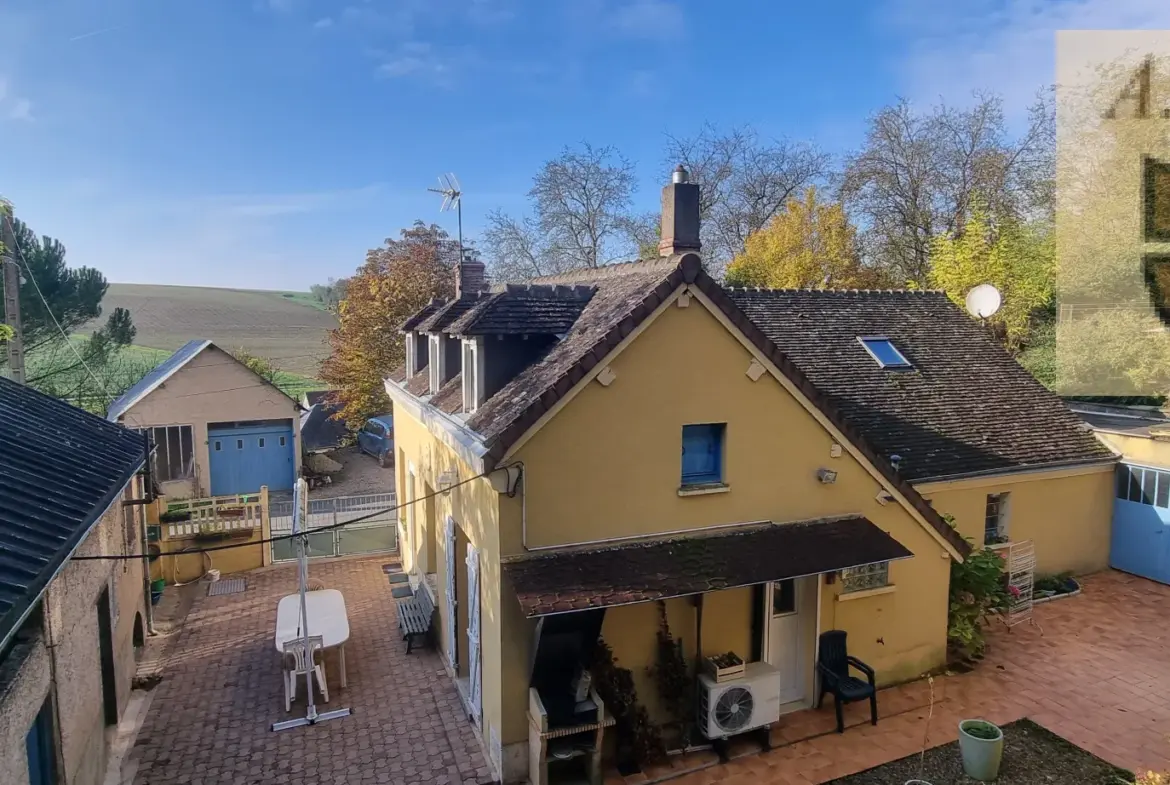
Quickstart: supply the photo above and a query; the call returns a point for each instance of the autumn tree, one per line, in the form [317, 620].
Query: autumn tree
[257, 364]
[396, 280]
[808, 244]
[1018, 258]
[580, 217]
[746, 180]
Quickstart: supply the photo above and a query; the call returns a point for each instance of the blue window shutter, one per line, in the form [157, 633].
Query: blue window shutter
[702, 454]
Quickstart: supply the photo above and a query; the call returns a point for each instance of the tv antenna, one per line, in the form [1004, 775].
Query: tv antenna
[452, 200]
[983, 301]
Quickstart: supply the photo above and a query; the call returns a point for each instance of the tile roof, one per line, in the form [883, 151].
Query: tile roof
[649, 570]
[965, 407]
[60, 469]
[151, 382]
[426, 312]
[525, 310]
[447, 313]
[420, 383]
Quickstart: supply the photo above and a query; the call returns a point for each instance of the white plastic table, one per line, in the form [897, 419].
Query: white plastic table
[327, 618]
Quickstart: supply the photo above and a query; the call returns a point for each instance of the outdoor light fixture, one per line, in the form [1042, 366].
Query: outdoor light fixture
[826, 476]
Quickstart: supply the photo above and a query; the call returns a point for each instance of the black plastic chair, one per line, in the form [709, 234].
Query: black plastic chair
[833, 668]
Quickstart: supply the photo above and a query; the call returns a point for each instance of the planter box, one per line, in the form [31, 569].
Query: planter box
[724, 667]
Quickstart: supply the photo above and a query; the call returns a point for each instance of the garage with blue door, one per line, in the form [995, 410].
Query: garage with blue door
[1141, 522]
[247, 455]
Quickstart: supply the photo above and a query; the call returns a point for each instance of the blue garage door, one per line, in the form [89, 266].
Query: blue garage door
[1141, 522]
[243, 458]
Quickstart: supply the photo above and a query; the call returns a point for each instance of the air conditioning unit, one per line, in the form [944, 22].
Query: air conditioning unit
[740, 705]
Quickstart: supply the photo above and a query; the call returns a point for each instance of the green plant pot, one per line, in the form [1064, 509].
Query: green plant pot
[981, 745]
[158, 584]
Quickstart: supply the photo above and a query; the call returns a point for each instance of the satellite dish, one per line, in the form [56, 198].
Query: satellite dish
[983, 301]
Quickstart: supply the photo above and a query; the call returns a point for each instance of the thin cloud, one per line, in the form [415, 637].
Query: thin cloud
[323, 23]
[653, 19]
[21, 110]
[92, 33]
[1007, 46]
[418, 59]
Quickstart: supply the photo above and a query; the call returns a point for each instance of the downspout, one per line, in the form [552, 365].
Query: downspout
[523, 483]
[144, 544]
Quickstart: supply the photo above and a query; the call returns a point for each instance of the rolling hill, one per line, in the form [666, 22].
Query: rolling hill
[286, 327]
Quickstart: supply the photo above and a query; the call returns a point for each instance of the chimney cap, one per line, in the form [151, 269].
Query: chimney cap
[680, 174]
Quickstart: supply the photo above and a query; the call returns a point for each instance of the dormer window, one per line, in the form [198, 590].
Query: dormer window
[883, 351]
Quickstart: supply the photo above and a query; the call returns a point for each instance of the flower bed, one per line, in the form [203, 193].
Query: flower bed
[1032, 755]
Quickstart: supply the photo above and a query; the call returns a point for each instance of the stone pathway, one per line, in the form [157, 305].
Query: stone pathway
[209, 718]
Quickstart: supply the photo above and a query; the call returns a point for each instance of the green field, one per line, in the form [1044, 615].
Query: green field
[290, 328]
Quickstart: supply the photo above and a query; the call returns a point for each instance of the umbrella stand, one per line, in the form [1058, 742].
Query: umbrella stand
[301, 538]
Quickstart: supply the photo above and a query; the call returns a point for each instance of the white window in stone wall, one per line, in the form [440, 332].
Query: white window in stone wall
[174, 452]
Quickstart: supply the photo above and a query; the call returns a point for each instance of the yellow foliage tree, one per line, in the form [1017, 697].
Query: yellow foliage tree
[397, 280]
[808, 244]
[1018, 259]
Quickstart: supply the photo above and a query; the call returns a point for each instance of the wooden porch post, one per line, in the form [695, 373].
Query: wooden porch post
[265, 529]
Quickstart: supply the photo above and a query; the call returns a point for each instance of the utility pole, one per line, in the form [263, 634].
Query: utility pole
[11, 293]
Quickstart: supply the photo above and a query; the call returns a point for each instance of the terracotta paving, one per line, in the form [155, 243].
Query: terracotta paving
[1094, 669]
[209, 719]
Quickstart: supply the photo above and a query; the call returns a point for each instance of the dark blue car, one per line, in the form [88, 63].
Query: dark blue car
[377, 438]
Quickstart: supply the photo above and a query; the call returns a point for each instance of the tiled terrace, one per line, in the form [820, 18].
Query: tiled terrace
[1095, 669]
[209, 719]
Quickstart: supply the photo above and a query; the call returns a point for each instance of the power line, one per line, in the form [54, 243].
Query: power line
[268, 540]
[24, 264]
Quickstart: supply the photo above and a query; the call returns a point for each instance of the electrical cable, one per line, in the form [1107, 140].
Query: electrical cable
[278, 538]
[25, 266]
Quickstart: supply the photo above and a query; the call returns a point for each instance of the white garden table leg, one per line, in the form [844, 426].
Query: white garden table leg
[341, 652]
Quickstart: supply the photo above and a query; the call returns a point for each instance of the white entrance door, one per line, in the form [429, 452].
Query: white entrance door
[785, 637]
[473, 631]
[450, 622]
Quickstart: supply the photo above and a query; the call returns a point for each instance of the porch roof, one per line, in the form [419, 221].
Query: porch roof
[649, 570]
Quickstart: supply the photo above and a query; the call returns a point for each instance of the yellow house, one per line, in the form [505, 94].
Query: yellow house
[218, 428]
[574, 450]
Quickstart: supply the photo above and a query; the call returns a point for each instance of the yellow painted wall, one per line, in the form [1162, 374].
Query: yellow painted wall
[631, 631]
[1067, 514]
[1138, 449]
[184, 567]
[212, 387]
[607, 465]
[475, 508]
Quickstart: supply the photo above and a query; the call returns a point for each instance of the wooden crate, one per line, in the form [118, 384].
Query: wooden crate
[724, 673]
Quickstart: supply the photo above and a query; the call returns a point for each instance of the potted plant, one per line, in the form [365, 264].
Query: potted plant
[175, 516]
[981, 745]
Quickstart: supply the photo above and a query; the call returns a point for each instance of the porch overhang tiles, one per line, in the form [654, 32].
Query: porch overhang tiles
[658, 569]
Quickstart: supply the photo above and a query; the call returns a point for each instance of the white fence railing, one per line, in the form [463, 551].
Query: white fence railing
[215, 515]
[369, 511]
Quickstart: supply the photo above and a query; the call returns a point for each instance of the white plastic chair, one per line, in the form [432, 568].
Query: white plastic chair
[296, 664]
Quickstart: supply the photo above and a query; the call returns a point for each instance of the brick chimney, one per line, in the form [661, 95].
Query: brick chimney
[470, 277]
[680, 215]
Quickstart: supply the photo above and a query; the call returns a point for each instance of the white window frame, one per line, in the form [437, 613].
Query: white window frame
[436, 364]
[187, 470]
[472, 374]
[411, 354]
[862, 339]
[1002, 511]
[865, 577]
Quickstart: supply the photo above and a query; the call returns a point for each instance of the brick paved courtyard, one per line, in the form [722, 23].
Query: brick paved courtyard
[1094, 669]
[209, 719]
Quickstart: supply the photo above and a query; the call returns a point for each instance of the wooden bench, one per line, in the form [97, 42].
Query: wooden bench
[415, 616]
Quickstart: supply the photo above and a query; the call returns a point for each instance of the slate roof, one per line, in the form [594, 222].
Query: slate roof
[423, 314]
[60, 469]
[151, 382]
[525, 310]
[659, 569]
[320, 429]
[965, 407]
[447, 313]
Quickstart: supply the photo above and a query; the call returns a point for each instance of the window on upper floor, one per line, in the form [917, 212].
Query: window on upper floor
[995, 519]
[702, 453]
[883, 351]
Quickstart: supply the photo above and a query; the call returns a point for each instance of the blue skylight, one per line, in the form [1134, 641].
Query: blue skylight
[884, 352]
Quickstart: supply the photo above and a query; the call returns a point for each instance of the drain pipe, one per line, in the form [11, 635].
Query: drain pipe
[148, 494]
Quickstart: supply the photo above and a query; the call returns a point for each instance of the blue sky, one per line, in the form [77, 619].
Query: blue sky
[269, 143]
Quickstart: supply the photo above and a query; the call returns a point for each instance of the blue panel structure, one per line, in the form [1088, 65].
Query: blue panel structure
[1140, 541]
[245, 458]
